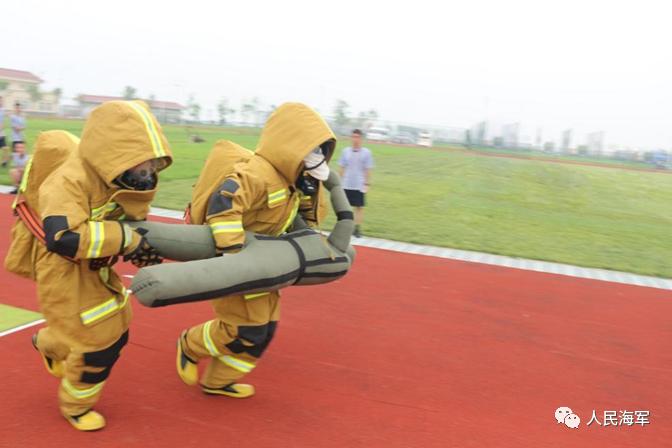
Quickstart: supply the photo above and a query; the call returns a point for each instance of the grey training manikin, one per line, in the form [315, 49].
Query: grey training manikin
[301, 257]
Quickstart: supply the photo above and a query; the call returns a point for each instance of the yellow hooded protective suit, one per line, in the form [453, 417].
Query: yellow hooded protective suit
[256, 194]
[79, 203]
[51, 149]
[218, 166]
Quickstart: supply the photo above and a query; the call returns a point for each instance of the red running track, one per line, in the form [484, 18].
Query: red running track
[406, 351]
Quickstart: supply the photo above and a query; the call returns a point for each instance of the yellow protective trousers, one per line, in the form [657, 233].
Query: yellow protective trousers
[235, 340]
[88, 315]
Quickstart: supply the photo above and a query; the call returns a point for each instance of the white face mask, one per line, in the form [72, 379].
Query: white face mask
[316, 165]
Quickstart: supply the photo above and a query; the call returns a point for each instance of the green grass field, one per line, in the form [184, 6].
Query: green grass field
[583, 215]
[535, 154]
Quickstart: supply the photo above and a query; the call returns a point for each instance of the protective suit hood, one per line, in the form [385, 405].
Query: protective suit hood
[292, 131]
[119, 135]
[52, 148]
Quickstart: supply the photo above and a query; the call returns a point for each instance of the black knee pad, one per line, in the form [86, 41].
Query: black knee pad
[258, 335]
[103, 358]
[272, 326]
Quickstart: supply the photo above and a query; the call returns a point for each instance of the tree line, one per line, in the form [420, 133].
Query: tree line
[249, 109]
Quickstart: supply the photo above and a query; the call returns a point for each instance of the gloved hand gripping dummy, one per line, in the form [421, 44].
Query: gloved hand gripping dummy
[301, 257]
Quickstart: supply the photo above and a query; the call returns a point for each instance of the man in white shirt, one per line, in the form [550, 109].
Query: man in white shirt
[19, 161]
[356, 163]
[3, 143]
[18, 124]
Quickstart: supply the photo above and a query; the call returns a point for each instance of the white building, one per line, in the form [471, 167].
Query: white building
[19, 86]
[164, 111]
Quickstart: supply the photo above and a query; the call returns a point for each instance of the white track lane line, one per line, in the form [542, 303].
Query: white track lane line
[21, 327]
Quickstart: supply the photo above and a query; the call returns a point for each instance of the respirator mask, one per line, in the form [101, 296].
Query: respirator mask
[141, 177]
[315, 170]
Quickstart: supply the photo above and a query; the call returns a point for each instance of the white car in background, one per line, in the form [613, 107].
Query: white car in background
[378, 134]
[424, 139]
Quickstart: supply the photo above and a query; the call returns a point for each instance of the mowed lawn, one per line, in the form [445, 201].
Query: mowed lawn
[589, 216]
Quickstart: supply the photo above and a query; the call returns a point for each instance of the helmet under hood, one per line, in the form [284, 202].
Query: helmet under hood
[292, 132]
[119, 135]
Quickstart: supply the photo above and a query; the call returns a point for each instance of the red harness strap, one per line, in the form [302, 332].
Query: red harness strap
[32, 221]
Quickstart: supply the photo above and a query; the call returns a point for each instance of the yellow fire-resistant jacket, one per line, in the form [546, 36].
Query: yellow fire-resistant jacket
[51, 149]
[79, 203]
[80, 207]
[218, 166]
[258, 194]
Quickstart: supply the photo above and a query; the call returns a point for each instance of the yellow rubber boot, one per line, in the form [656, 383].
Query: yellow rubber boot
[89, 421]
[187, 368]
[56, 368]
[233, 390]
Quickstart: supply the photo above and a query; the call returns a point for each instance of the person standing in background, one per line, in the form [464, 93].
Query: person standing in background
[3, 142]
[19, 160]
[18, 124]
[356, 164]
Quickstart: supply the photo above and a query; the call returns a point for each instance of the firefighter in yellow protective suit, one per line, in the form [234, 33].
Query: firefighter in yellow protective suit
[261, 193]
[69, 236]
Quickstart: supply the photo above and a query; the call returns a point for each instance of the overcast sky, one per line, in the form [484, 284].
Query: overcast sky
[587, 65]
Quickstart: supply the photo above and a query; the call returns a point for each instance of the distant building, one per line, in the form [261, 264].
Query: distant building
[165, 111]
[479, 133]
[595, 143]
[510, 135]
[24, 87]
[566, 142]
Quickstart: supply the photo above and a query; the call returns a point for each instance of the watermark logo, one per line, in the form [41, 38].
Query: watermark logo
[566, 416]
[572, 421]
[621, 418]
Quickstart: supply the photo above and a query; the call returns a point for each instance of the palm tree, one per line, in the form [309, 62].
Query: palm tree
[130, 93]
[194, 108]
[341, 114]
[34, 92]
[224, 110]
[247, 109]
[255, 110]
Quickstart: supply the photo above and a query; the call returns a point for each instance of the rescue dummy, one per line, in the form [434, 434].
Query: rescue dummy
[262, 194]
[69, 235]
[265, 263]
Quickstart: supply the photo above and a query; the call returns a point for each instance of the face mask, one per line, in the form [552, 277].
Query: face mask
[316, 164]
[140, 178]
[307, 184]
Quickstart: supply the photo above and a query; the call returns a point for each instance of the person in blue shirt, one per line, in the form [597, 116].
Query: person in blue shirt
[18, 124]
[356, 163]
[3, 143]
[19, 161]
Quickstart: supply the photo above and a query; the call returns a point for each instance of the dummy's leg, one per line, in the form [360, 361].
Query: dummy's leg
[52, 350]
[234, 341]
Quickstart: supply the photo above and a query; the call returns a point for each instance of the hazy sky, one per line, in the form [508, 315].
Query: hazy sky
[587, 65]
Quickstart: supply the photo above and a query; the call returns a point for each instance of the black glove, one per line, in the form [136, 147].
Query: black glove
[96, 264]
[143, 255]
